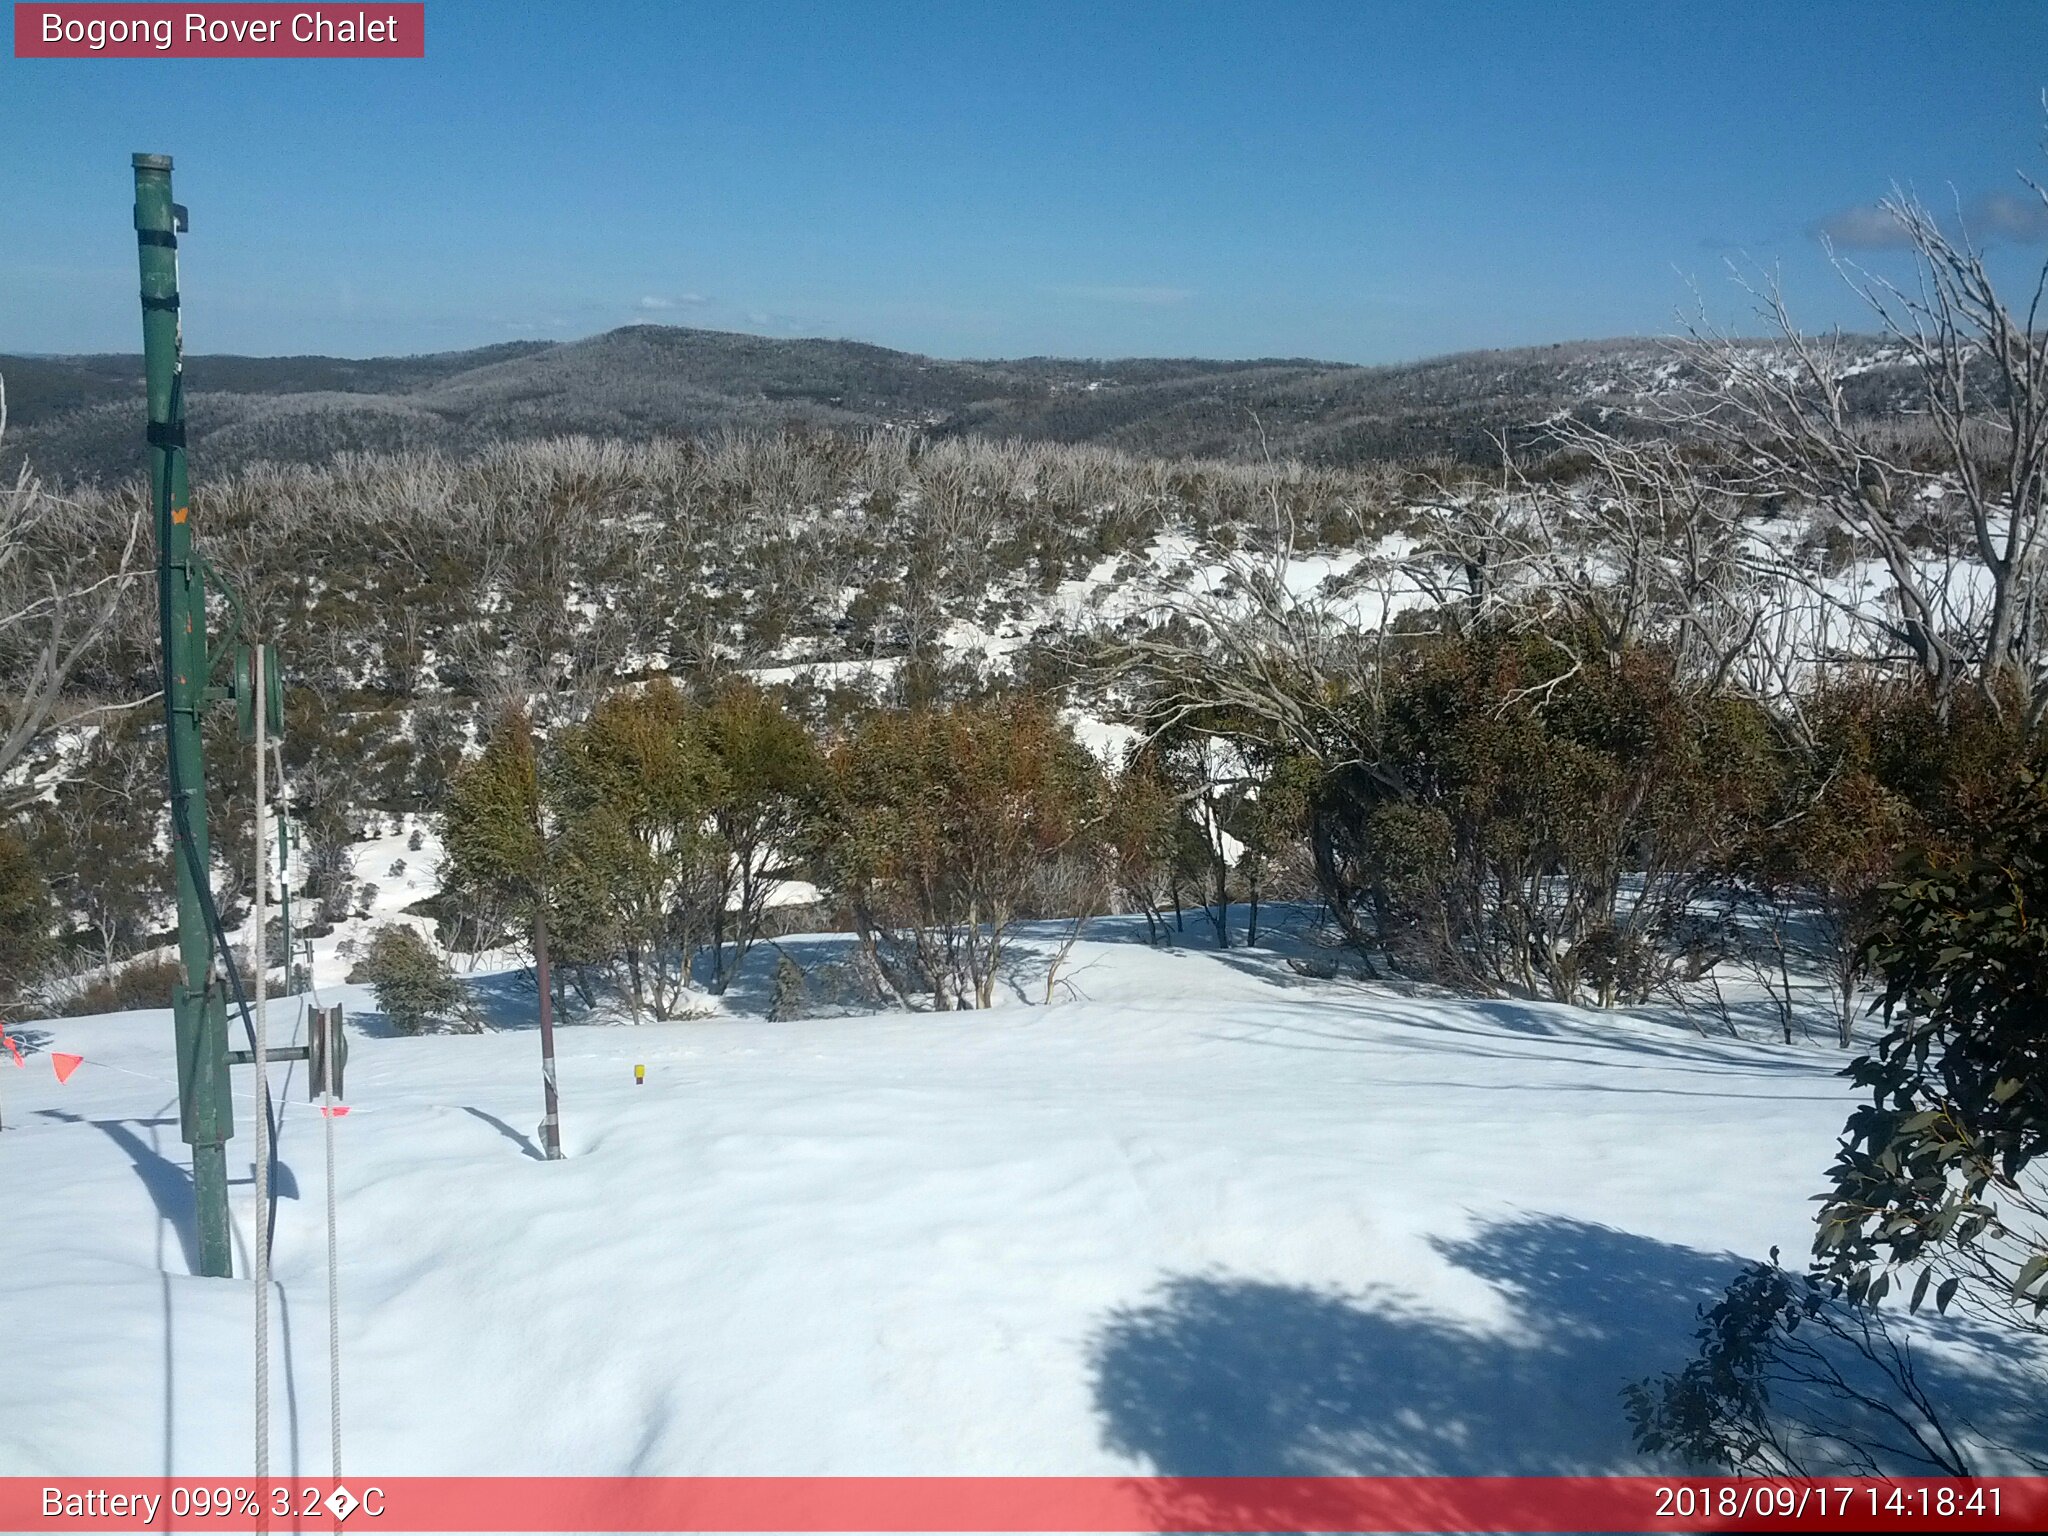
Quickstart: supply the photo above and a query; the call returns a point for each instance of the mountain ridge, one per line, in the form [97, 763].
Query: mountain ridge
[75, 417]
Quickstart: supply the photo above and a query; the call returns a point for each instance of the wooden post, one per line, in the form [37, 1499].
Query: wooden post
[551, 1127]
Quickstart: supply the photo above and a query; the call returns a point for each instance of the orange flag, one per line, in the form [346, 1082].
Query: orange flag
[9, 1044]
[65, 1064]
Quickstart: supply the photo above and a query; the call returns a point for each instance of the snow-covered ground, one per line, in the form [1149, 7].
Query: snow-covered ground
[1207, 1216]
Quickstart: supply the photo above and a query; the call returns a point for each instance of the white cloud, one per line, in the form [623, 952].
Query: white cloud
[2005, 215]
[1994, 216]
[1865, 227]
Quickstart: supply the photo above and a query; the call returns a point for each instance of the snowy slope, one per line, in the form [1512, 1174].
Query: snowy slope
[1208, 1216]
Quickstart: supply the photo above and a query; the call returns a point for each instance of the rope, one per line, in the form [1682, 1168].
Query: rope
[333, 1275]
[261, 1049]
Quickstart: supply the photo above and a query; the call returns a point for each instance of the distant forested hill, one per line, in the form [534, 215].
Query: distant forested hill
[77, 418]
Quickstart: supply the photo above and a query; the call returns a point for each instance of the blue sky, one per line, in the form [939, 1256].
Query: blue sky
[1355, 181]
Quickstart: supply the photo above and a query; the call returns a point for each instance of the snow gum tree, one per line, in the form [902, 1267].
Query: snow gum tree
[680, 820]
[764, 782]
[1540, 822]
[633, 787]
[65, 565]
[1140, 831]
[937, 824]
[410, 974]
[496, 848]
[26, 912]
[1938, 1175]
[1872, 769]
[1935, 1193]
[1950, 499]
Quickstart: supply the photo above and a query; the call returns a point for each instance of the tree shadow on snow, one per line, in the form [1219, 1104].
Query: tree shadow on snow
[1219, 1377]
[518, 1138]
[510, 1000]
[1512, 1030]
[506, 1000]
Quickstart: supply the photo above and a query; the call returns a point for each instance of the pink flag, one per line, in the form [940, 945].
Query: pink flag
[65, 1064]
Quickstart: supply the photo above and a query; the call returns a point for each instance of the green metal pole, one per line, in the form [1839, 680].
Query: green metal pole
[199, 1005]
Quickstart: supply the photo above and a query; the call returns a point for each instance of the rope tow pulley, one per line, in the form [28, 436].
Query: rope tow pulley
[244, 691]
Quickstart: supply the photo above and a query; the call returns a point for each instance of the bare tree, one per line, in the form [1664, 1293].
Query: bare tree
[1950, 500]
[1637, 548]
[63, 567]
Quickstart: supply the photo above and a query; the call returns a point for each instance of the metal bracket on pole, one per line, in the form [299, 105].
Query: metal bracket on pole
[326, 1041]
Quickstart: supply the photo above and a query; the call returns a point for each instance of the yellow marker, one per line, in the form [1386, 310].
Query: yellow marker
[639, 1074]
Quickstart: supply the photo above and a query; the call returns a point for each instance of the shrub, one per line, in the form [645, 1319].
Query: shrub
[413, 983]
[139, 984]
[1935, 1185]
[25, 916]
[1936, 1174]
[937, 824]
[1791, 1379]
[790, 991]
[1538, 821]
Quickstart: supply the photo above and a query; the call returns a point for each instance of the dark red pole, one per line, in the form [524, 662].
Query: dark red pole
[551, 1127]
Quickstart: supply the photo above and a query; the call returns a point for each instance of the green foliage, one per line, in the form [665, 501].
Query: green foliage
[138, 984]
[1407, 862]
[1233, 787]
[631, 791]
[26, 917]
[765, 781]
[1936, 1171]
[1790, 1380]
[436, 755]
[1140, 829]
[1525, 817]
[491, 827]
[94, 836]
[1877, 770]
[655, 828]
[413, 983]
[937, 825]
[1266, 815]
[1716, 1411]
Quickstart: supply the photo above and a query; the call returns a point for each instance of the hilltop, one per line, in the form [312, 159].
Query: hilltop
[76, 417]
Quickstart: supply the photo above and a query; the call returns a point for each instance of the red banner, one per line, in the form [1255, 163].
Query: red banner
[240, 31]
[1081, 1504]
